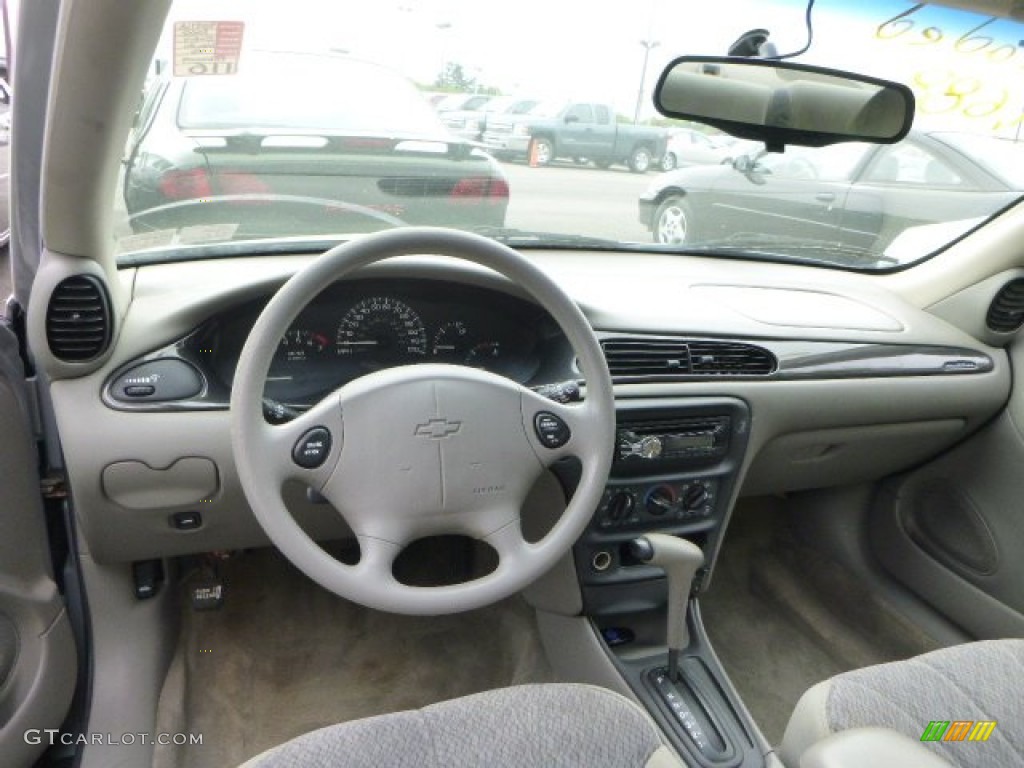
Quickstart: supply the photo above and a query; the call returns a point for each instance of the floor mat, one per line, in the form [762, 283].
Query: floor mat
[283, 657]
[781, 618]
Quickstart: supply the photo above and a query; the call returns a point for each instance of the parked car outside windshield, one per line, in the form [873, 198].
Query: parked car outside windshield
[343, 139]
[300, 144]
[849, 199]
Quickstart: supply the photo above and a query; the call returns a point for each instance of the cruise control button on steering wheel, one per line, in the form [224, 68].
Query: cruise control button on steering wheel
[551, 430]
[311, 450]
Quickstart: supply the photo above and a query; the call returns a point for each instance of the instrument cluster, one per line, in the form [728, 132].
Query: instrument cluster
[362, 326]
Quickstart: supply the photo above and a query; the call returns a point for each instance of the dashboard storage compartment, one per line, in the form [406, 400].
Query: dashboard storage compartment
[136, 485]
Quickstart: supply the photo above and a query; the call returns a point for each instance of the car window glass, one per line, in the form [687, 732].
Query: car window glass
[910, 164]
[602, 115]
[833, 163]
[1003, 158]
[582, 112]
[296, 87]
[476, 102]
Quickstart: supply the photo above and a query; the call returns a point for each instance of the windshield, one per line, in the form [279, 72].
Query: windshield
[285, 92]
[999, 156]
[320, 120]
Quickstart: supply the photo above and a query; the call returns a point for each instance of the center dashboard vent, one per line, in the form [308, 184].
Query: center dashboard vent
[671, 359]
[78, 319]
[1006, 312]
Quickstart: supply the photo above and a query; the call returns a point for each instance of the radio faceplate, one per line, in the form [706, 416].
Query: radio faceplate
[650, 445]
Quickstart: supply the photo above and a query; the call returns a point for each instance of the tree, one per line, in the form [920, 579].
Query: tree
[453, 79]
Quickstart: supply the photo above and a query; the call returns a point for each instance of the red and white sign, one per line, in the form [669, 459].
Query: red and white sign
[207, 47]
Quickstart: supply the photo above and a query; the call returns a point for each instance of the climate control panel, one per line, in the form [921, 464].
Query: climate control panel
[652, 504]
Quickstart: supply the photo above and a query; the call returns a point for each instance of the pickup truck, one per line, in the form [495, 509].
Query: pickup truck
[577, 131]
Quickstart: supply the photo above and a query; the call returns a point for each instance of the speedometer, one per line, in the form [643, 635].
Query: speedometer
[382, 331]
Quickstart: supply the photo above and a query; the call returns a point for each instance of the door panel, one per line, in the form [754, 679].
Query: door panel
[582, 137]
[953, 530]
[37, 652]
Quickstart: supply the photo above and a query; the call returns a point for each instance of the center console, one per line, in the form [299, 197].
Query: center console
[674, 474]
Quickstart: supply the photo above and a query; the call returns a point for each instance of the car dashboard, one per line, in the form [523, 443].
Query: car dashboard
[838, 382]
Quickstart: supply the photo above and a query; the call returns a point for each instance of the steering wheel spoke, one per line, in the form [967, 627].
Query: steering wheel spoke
[513, 550]
[376, 559]
[307, 447]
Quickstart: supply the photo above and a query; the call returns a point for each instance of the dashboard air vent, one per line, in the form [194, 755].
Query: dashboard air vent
[670, 358]
[1006, 313]
[78, 319]
[717, 358]
[646, 357]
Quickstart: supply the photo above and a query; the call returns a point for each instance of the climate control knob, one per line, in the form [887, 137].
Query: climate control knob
[695, 496]
[660, 500]
[620, 506]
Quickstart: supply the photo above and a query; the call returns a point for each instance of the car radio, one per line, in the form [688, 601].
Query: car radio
[675, 441]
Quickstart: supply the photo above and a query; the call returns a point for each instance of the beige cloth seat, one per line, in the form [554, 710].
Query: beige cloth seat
[528, 726]
[971, 683]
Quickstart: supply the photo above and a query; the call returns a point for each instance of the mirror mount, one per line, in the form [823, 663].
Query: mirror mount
[781, 103]
[753, 44]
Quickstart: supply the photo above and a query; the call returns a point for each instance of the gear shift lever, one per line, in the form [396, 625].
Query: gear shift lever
[680, 559]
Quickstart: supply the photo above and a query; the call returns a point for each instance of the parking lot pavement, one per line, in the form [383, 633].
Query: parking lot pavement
[569, 198]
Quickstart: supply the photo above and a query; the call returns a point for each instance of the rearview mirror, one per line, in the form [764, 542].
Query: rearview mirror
[781, 103]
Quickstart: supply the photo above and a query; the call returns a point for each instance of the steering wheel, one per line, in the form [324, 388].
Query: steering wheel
[422, 450]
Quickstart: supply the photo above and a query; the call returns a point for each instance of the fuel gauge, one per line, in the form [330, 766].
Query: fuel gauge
[452, 342]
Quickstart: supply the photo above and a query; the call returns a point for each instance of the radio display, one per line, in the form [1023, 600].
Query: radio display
[673, 443]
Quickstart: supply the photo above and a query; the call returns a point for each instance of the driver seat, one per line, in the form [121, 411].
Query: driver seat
[544, 726]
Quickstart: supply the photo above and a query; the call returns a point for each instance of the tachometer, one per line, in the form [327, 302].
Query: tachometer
[383, 330]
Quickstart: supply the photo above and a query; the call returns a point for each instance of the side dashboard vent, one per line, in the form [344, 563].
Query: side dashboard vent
[78, 319]
[1006, 312]
[669, 359]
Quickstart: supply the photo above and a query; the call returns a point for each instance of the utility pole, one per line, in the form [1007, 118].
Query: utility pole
[648, 45]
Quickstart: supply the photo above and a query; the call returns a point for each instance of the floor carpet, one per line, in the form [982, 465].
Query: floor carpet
[782, 618]
[283, 657]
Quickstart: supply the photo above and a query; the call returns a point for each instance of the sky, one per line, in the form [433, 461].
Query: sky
[967, 70]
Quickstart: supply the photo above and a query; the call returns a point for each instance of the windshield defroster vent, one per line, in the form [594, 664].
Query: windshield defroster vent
[1006, 312]
[78, 319]
[631, 359]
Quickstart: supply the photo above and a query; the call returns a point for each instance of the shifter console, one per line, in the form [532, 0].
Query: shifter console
[674, 472]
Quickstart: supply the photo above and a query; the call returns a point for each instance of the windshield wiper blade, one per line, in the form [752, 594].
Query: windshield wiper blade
[534, 238]
[227, 249]
[793, 251]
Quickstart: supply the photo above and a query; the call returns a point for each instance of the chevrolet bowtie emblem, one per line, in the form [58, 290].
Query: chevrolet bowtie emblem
[438, 429]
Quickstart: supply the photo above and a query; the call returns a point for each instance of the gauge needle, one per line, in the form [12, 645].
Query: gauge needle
[445, 347]
[366, 343]
[280, 378]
